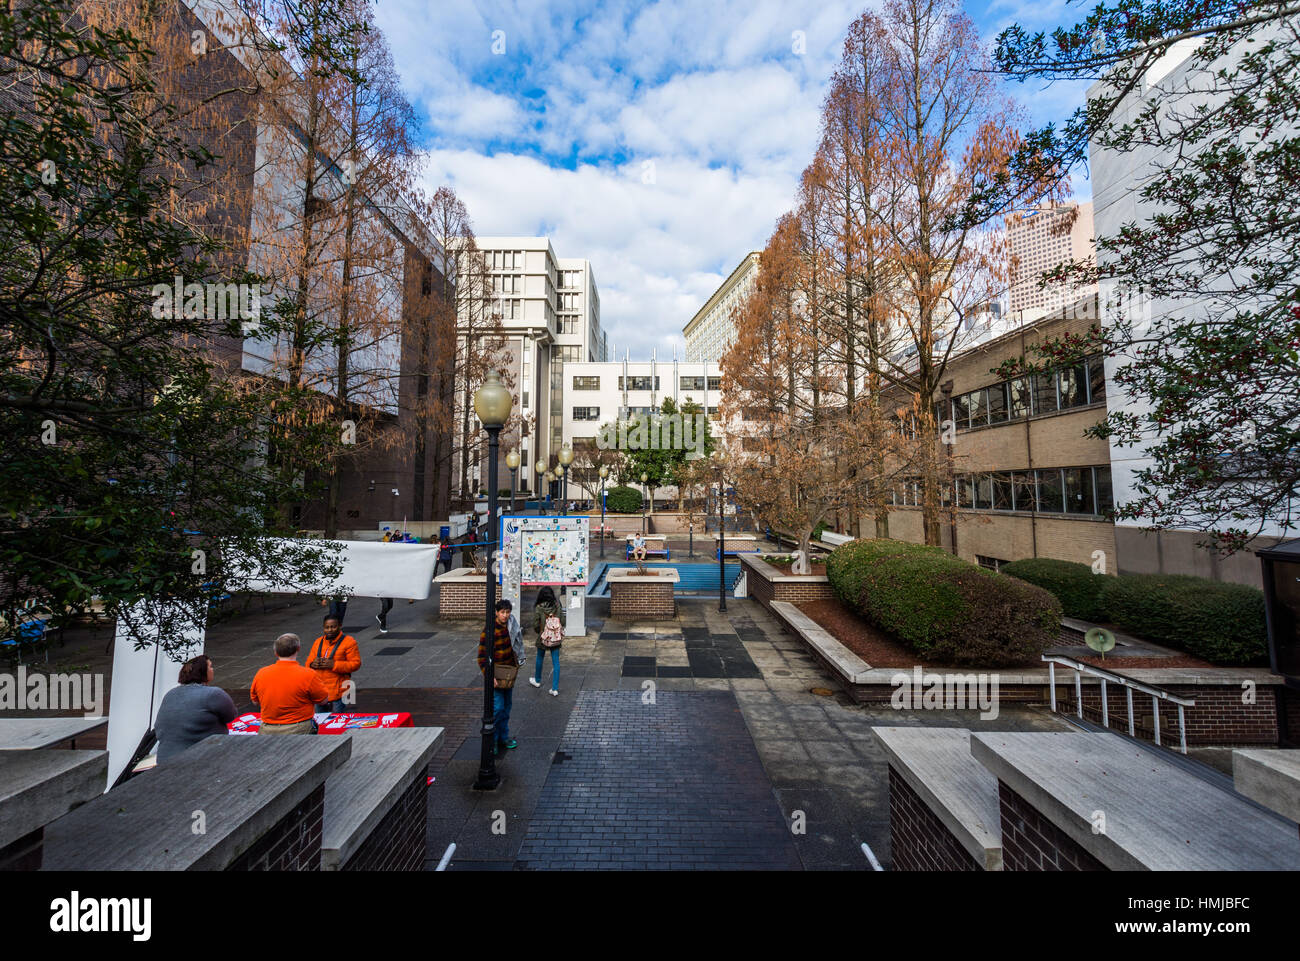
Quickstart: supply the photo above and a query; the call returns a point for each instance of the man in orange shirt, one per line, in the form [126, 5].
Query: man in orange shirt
[334, 656]
[286, 692]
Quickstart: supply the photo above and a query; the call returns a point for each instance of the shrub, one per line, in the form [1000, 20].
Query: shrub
[941, 607]
[1074, 585]
[623, 500]
[1221, 623]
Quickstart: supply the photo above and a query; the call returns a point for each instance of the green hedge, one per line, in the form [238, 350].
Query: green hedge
[623, 500]
[1222, 623]
[1074, 585]
[941, 607]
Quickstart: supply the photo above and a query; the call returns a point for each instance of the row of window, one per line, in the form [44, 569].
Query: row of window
[643, 382]
[586, 413]
[1057, 490]
[1075, 386]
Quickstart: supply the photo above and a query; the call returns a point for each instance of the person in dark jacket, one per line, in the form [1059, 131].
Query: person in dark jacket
[506, 649]
[546, 607]
[193, 711]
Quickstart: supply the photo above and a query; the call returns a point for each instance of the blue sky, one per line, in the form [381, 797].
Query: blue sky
[658, 140]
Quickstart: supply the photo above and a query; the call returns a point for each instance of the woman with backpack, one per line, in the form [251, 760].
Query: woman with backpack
[548, 622]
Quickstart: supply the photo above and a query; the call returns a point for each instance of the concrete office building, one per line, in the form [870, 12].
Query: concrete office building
[1041, 240]
[550, 310]
[712, 331]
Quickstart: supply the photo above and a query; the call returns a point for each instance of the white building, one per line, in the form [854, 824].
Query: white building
[550, 309]
[1043, 239]
[712, 331]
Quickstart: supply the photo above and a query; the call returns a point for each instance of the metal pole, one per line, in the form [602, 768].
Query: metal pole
[1132, 730]
[722, 555]
[488, 778]
[1155, 707]
[1078, 693]
[1105, 705]
[1051, 682]
[512, 490]
[602, 518]
[1182, 731]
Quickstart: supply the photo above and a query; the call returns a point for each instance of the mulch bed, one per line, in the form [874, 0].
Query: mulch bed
[880, 650]
[817, 568]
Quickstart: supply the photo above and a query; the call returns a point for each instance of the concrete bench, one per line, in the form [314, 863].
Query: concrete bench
[833, 540]
[37, 787]
[29, 733]
[376, 803]
[943, 804]
[834, 654]
[258, 800]
[1270, 777]
[1090, 801]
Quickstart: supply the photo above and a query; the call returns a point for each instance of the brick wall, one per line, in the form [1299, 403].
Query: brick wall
[293, 844]
[1219, 717]
[791, 592]
[397, 842]
[641, 601]
[919, 841]
[462, 600]
[1032, 843]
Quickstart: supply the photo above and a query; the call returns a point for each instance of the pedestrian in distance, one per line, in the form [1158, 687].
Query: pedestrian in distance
[286, 692]
[193, 711]
[548, 625]
[444, 555]
[507, 654]
[334, 656]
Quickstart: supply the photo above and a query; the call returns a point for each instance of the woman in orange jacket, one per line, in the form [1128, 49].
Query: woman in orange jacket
[334, 656]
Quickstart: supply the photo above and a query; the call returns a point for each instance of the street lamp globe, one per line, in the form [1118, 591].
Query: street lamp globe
[540, 467]
[644, 478]
[604, 472]
[559, 471]
[565, 456]
[492, 402]
[512, 459]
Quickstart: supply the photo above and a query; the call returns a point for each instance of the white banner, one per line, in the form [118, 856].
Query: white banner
[140, 679]
[369, 569]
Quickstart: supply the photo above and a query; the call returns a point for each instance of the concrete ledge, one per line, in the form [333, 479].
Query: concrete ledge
[28, 733]
[461, 575]
[1161, 676]
[37, 787]
[1158, 816]
[1271, 777]
[776, 575]
[361, 792]
[838, 657]
[937, 764]
[629, 575]
[243, 785]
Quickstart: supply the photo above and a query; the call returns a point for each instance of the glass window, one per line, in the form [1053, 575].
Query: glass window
[639, 382]
[1050, 498]
[1022, 489]
[1045, 392]
[586, 413]
[977, 409]
[1002, 492]
[715, 383]
[1020, 390]
[1096, 379]
[1078, 491]
[965, 492]
[997, 403]
[961, 410]
[1105, 496]
[1073, 383]
[586, 383]
[983, 492]
[691, 383]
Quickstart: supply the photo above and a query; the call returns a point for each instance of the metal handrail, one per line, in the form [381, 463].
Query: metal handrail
[1129, 684]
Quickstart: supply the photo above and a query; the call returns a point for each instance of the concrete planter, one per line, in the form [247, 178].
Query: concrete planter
[642, 597]
[768, 583]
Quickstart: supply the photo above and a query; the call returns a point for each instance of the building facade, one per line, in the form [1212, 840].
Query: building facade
[1040, 240]
[712, 331]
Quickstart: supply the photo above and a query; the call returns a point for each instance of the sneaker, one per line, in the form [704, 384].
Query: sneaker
[554, 693]
[534, 682]
[510, 744]
[383, 625]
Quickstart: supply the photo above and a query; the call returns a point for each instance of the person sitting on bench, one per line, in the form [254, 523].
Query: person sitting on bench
[638, 547]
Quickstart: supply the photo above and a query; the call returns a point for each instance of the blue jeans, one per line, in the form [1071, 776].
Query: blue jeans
[555, 667]
[501, 707]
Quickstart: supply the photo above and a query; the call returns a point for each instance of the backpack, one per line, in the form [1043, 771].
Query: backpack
[552, 632]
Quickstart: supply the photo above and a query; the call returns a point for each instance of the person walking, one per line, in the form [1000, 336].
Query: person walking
[444, 555]
[334, 656]
[286, 692]
[507, 651]
[193, 711]
[548, 624]
[385, 605]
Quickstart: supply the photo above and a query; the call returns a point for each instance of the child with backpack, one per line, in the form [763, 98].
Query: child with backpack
[548, 622]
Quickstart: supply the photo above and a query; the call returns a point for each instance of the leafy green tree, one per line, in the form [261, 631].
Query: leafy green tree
[1203, 285]
[132, 466]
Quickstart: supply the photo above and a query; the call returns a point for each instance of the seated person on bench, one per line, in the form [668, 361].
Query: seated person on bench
[638, 547]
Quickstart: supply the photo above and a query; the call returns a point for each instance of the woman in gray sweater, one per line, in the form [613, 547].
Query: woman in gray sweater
[193, 711]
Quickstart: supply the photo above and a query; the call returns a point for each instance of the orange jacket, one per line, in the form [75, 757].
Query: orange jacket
[287, 693]
[346, 660]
